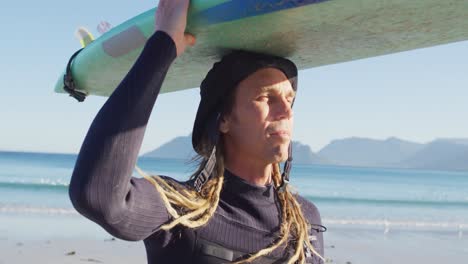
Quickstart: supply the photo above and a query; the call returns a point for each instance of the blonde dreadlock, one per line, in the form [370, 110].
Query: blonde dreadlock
[199, 207]
[293, 225]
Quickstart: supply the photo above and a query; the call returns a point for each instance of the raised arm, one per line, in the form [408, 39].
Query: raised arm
[101, 186]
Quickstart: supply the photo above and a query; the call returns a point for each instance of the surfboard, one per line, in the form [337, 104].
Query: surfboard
[309, 32]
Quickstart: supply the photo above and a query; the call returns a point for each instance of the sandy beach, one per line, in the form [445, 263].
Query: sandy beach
[360, 246]
[343, 246]
[70, 251]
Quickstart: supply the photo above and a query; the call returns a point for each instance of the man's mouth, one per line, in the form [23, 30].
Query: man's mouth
[280, 133]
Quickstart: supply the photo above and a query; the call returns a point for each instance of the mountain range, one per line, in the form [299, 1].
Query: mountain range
[440, 154]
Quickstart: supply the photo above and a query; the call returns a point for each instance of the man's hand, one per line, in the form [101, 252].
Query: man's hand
[171, 17]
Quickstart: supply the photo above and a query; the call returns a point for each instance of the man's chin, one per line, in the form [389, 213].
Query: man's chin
[282, 155]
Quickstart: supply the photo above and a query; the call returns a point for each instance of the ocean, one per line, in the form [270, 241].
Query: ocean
[34, 199]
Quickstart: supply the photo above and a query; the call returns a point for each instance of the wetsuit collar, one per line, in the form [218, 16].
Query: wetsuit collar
[234, 185]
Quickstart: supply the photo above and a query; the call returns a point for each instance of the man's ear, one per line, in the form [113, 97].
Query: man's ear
[224, 124]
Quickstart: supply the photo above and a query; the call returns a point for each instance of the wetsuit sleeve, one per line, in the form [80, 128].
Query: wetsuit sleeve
[101, 187]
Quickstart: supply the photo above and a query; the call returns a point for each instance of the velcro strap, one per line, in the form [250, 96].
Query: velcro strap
[205, 174]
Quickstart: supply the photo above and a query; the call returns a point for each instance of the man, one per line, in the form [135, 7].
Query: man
[237, 207]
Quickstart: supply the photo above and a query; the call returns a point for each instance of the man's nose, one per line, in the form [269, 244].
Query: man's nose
[285, 109]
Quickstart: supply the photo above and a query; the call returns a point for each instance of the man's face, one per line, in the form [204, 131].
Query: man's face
[260, 124]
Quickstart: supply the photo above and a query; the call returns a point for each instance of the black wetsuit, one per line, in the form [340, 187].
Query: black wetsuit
[102, 188]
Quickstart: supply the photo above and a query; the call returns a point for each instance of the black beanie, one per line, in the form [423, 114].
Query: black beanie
[221, 80]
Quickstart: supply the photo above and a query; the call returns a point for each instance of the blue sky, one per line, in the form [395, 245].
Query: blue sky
[417, 95]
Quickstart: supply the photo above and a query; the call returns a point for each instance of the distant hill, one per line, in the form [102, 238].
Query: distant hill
[177, 148]
[462, 141]
[440, 154]
[369, 152]
[302, 154]
[181, 148]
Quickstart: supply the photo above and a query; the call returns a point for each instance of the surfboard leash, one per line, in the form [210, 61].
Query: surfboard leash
[68, 82]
